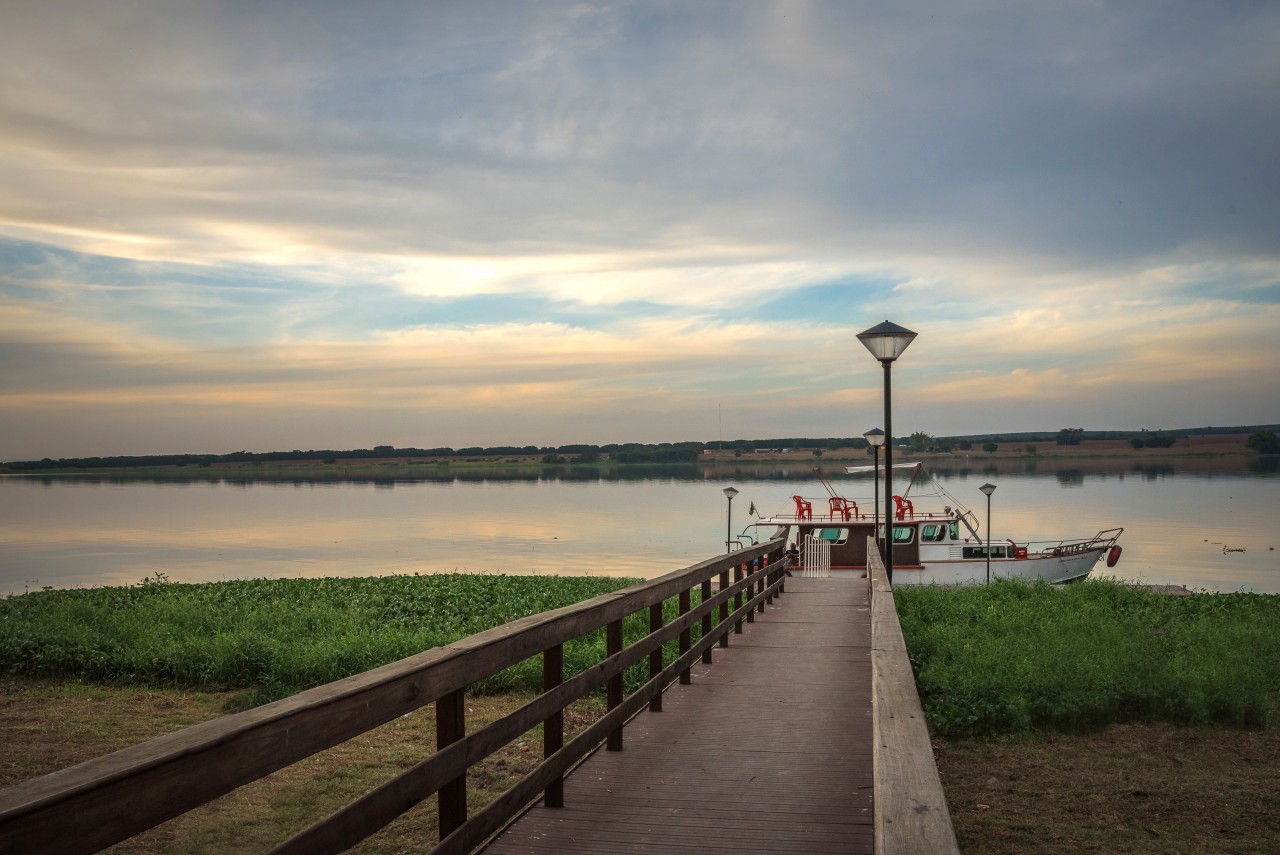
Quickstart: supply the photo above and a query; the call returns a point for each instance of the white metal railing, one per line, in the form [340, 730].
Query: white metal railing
[817, 556]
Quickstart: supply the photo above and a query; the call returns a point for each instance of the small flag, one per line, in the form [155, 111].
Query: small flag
[752, 510]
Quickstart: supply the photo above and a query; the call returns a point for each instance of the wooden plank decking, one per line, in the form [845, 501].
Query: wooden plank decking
[768, 750]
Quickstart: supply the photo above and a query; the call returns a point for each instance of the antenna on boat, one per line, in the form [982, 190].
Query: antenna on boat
[817, 470]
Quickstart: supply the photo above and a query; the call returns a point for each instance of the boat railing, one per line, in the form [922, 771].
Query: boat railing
[1101, 541]
[844, 509]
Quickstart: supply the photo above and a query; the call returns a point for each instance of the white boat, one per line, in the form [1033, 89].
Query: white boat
[936, 540]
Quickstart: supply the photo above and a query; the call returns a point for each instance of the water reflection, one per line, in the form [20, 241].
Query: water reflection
[1184, 520]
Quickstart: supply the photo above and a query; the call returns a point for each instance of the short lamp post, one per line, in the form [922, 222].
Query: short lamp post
[886, 342]
[729, 493]
[988, 488]
[875, 438]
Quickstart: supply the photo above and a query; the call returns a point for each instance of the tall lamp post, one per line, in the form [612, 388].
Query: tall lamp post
[886, 342]
[875, 438]
[729, 493]
[988, 488]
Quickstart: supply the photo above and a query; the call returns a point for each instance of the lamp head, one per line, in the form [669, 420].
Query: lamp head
[730, 492]
[886, 341]
[874, 437]
[988, 488]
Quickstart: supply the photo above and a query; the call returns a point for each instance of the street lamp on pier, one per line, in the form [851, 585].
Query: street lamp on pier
[988, 488]
[886, 342]
[729, 493]
[875, 438]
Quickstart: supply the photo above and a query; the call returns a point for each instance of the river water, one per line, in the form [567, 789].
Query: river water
[1204, 524]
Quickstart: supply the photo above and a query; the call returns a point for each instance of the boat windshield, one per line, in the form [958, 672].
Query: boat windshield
[835, 535]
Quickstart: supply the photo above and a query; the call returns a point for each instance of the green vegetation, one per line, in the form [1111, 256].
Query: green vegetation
[1070, 436]
[1264, 442]
[1014, 657]
[282, 635]
[1153, 440]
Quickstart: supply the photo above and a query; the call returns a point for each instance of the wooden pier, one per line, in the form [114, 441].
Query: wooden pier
[767, 750]
[787, 721]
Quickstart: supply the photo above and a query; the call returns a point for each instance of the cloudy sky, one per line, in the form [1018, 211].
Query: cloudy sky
[237, 225]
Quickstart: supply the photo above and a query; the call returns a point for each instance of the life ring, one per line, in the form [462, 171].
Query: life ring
[1113, 556]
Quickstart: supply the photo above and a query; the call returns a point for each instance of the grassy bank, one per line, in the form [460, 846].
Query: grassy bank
[1013, 657]
[1025, 683]
[278, 636]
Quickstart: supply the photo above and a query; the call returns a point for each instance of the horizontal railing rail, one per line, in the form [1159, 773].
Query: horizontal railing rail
[87, 807]
[911, 814]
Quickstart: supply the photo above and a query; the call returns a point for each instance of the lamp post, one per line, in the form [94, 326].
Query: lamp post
[875, 438]
[988, 488]
[886, 342]
[729, 493]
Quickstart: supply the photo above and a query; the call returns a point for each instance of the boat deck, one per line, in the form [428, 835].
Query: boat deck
[768, 750]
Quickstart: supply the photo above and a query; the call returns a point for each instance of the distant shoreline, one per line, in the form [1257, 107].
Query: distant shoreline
[1213, 447]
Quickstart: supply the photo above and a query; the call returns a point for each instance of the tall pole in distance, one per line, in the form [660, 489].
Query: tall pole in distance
[875, 438]
[886, 342]
[988, 488]
[729, 493]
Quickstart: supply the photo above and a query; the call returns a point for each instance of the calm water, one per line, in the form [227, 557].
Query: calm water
[1185, 523]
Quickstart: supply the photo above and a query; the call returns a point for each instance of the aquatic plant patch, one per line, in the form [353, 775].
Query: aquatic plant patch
[282, 635]
[1014, 657]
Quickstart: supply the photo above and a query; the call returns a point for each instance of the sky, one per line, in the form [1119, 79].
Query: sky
[292, 225]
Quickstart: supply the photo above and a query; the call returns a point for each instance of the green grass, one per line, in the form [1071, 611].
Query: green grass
[1015, 657]
[282, 635]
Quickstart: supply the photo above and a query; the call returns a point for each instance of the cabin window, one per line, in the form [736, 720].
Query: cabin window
[932, 532]
[953, 529]
[997, 551]
[904, 533]
[835, 535]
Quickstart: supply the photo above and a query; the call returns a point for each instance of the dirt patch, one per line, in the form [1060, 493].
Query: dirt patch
[1134, 789]
[49, 726]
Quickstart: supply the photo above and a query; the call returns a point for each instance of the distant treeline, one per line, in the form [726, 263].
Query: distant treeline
[1080, 434]
[633, 452]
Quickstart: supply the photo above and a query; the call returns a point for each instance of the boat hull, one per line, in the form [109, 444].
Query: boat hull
[1050, 568]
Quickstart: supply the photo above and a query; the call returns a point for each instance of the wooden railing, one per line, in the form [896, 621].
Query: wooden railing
[90, 806]
[911, 815]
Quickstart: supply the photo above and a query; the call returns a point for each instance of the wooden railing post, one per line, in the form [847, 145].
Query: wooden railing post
[768, 579]
[706, 619]
[655, 657]
[724, 606]
[761, 584]
[613, 645]
[553, 725]
[747, 570]
[686, 637]
[738, 574]
[451, 725]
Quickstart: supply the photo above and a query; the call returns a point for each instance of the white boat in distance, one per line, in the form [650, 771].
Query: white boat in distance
[935, 539]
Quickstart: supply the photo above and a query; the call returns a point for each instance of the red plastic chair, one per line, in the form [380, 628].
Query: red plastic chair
[905, 509]
[846, 508]
[804, 508]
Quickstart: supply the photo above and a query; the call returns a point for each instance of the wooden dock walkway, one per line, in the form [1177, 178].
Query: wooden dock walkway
[790, 723]
[767, 750]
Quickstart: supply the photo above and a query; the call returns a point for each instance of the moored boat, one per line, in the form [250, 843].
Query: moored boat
[936, 540]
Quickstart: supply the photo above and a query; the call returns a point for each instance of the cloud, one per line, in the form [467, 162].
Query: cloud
[612, 214]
